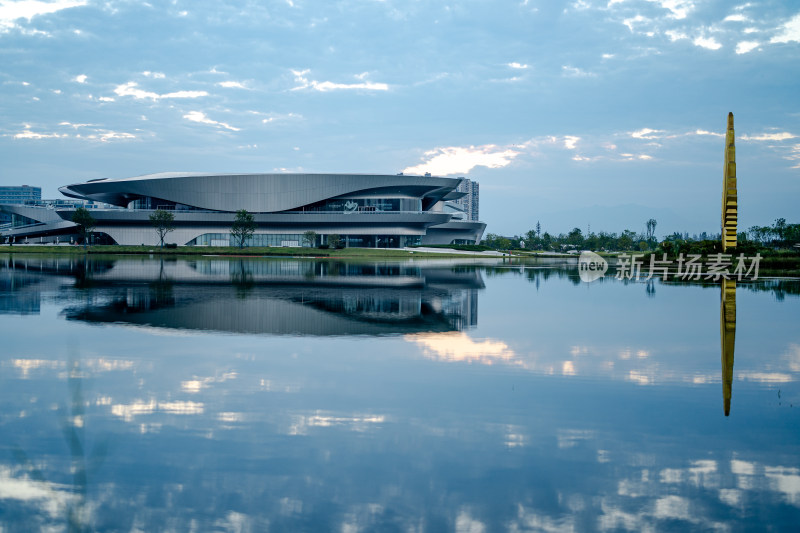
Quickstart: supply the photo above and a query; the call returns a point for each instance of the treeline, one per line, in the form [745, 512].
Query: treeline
[779, 235]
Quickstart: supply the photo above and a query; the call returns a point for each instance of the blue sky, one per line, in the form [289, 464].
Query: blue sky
[571, 113]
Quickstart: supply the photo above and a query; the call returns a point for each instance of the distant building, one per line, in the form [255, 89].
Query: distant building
[469, 203]
[17, 194]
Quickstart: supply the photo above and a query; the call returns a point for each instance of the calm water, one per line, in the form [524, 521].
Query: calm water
[282, 395]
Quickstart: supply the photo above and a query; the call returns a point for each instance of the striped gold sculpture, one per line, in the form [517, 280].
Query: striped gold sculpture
[730, 212]
[727, 323]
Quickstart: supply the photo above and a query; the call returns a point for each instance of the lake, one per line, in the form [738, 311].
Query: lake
[241, 394]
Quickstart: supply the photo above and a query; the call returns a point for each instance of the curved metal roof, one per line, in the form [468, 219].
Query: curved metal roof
[257, 193]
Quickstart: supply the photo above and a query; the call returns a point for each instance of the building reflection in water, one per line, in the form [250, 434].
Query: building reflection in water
[727, 324]
[280, 297]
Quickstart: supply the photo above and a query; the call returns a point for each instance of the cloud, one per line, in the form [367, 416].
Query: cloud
[675, 35]
[706, 132]
[575, 72]
[516, 65]
[325, 86]
[678, 9]
[278, 117]
[199, 116]
[75, 126]
[790, 31]
[28, 134]
[80, 78]
[130, 89]
[154, 75]
[782, 136]
[92, 133]
[458, 346]
[646, 133]
[10, 12]
[570, 142]
[736, 17]
[231, 85]
[707, 42]
[746, 46]
[460, 160]
[630, 22]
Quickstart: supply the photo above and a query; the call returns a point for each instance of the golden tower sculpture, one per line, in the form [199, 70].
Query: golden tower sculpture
[727, 326]
[730, 213]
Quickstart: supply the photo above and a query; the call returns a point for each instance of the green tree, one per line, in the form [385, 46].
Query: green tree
[334, 241]
[244, 225]
[651, 229]
[575, 237]
[310, 237]
[86, 223]
[164, 222]
[779, 228]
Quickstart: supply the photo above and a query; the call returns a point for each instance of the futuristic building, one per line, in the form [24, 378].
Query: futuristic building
[381, 211]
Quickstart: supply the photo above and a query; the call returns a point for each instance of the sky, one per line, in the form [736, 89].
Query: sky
[595, 114]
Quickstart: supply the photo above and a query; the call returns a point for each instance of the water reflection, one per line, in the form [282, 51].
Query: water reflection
[727, 322]
[262, 297]
[568, 406]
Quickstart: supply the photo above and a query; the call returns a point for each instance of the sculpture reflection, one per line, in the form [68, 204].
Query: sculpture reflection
[727, 322]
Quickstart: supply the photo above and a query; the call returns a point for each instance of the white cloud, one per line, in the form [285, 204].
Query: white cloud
[706, 132]
[92, 133]
[707, 42]
[516, 65]
[75, 126]
[460, 160]
[278, 117]
[10, 12]
[679, 9]
[80, 78]
[646, 133]
[155, 75]
[630, 22]
[675, 35]
[782, 136]
[231, 85]
[736, 17]
[324, 86]
[570, 142]
[131, 89]
[575, 72]
[746, 46]
[790, 31]
[28, 134]
[106, 99]
[458, 346]
[199, 116]
[106, 136]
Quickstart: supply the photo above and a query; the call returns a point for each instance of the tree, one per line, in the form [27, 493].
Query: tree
[575, 237]
[334, 241]
[310, 237]
[538, 229]
[86, 223]
[244, 225]
[163, 222]
[651, 229]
